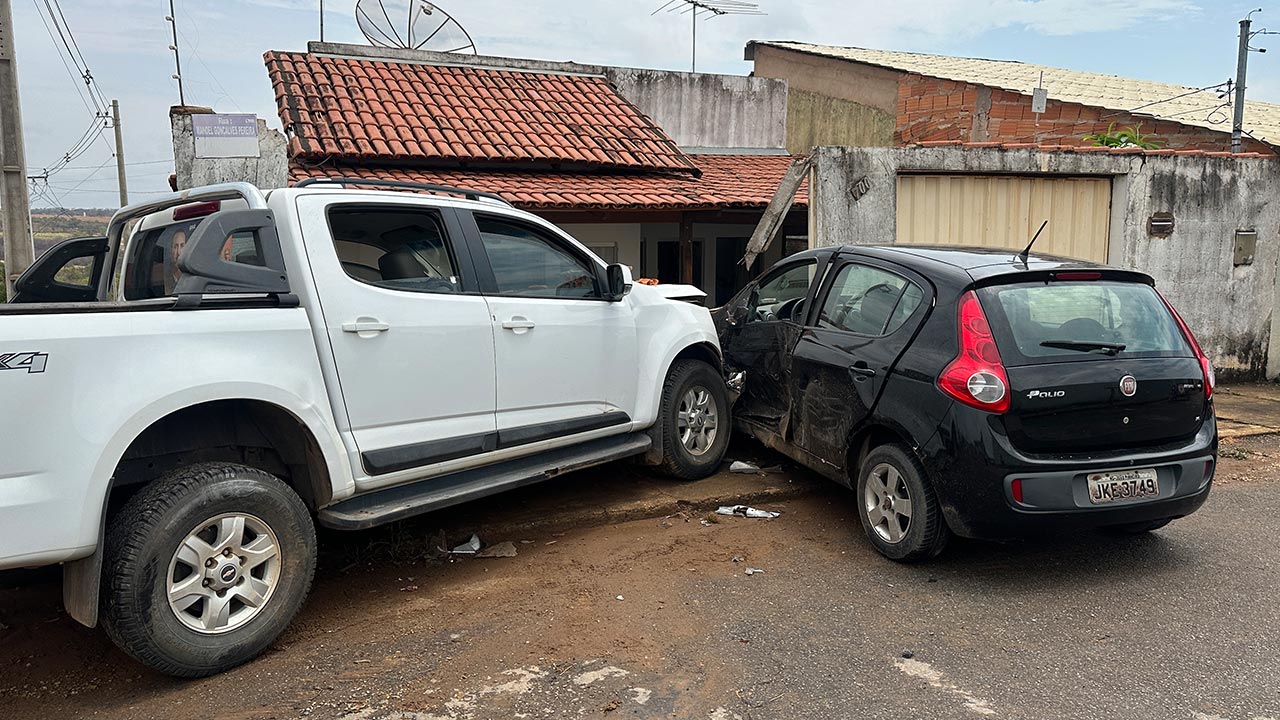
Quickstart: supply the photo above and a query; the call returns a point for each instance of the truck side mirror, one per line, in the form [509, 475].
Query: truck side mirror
[619, 277]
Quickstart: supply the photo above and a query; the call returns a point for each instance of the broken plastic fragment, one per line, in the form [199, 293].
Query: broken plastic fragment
[753, 571]
[470, 547]
[744, 511]
[742, 466]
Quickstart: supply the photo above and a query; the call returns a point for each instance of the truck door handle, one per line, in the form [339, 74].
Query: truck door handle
[365, 327]
[860, 371]
[519, 324]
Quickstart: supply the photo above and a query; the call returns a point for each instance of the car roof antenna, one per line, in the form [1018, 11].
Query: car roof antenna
[1026, 252]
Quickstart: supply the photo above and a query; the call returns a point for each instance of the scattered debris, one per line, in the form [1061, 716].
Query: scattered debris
[620, 597]
[591, 676]
[470, 547]
[409, 588]
[908, 654]
[745, 511]
[501, 550]
[707, 523]
[610, 706]
[552, 542]
[641, 695]
[737, 559]
[736, 381]
[742, 466]
[753, 571]
[526, 542]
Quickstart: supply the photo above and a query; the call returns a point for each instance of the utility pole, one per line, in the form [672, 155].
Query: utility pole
[1242, 63]
[177, 60]
[120, 177]
[321, 20]
[19, 252]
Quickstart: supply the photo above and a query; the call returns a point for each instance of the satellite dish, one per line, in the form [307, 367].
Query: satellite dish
[411, 25]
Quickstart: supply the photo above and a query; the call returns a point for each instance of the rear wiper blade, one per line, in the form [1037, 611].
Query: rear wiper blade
[1085, 345]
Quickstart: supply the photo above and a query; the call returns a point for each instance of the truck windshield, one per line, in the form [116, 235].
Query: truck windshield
[1064, 321]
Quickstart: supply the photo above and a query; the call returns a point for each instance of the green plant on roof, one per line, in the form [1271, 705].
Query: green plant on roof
[1122, 138]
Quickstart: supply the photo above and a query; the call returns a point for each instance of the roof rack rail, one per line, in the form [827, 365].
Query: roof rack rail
[466, 193]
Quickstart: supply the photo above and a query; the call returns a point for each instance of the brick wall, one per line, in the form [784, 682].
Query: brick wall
[935, 109]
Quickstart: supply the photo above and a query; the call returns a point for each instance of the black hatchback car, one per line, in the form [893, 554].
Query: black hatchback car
[975, 392]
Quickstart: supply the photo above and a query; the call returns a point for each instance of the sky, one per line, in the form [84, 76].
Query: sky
[125, 43]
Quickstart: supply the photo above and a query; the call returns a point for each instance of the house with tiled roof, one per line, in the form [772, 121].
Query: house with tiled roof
[577, 144]
[863, 97]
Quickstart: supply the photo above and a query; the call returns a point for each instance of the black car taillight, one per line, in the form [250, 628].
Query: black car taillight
[976, 377]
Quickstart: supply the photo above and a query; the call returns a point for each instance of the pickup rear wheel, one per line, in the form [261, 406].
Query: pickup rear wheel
[695, 420]
[205, 567]
[897, 506]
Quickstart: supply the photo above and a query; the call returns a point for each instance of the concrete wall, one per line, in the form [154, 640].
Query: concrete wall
[269, 170]
[701, 110]
[1229, 308]
[831, 101]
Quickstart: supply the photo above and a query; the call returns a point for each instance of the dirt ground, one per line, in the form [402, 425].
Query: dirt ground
[622, 620]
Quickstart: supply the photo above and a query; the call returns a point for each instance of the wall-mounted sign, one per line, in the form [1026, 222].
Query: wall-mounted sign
[1039, 100]
[225, 135]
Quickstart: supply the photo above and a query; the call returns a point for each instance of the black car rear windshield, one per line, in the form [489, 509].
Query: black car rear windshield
[1041, 322]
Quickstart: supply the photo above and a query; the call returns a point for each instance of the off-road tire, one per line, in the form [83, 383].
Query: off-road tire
[678, 461]
[1138, 528]
[140, 545]
[927, 532]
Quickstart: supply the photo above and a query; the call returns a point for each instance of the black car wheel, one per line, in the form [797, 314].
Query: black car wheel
[897, 506]
[205, 567]
[695, 420]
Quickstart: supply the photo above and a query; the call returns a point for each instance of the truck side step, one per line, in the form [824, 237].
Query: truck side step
[403, 501]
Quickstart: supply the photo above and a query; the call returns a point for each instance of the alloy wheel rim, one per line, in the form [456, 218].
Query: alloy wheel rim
[887, 503]
[697, 420]
[223, 573]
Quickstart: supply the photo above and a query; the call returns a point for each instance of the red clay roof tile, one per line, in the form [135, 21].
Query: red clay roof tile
[727, 181]
[579, 119]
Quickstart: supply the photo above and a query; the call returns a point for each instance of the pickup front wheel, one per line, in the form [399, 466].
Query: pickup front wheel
[205, 567]
[695, 420]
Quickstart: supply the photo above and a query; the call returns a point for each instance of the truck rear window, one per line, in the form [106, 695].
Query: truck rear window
[1067, 321]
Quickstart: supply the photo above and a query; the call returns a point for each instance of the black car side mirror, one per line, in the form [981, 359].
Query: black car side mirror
[619, 277]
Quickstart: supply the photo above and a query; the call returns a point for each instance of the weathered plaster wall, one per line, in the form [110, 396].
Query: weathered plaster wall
[1229, 308]
[701, 110]
[269, 170]
[830, 101]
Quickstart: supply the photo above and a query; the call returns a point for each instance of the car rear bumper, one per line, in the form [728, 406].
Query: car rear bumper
[972, 466]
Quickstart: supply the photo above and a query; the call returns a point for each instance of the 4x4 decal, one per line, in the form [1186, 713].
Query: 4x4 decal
[29, 361]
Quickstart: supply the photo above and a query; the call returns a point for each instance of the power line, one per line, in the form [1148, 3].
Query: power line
[68, 49]
[128, 164]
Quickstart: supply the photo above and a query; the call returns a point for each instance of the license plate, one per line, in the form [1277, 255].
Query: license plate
[1122, 485]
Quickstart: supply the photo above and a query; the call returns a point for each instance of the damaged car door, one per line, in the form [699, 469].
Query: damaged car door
[867, 315]
[764, 323]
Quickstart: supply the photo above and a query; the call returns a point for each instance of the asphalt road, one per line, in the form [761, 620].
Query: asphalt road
[655, 619]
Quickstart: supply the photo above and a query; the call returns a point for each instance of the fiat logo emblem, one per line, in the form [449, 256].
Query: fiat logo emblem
[1128, 385]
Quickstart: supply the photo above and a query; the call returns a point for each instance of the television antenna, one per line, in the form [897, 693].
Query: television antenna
[412, 25]
[706, 9]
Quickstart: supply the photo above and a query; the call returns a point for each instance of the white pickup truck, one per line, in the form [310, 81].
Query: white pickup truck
[189, 394]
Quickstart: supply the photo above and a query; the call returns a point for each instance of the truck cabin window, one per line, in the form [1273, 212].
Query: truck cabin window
[153, 272]
[530, 262]
[395, 248]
